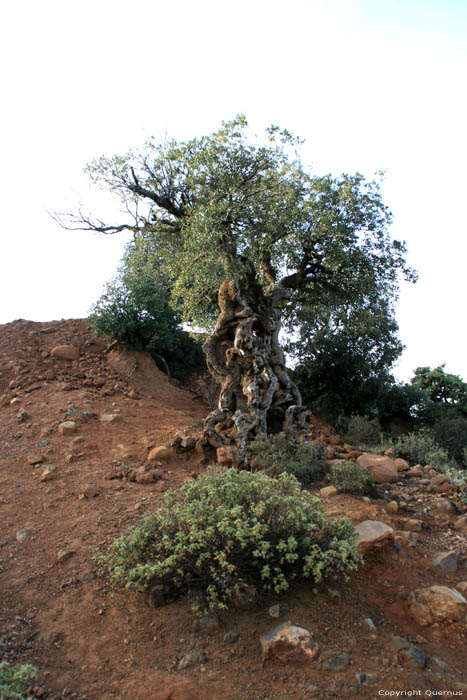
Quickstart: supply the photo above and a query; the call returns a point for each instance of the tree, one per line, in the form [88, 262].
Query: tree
[249, 223]
[442, 388]
[135, 309]
[345, 355]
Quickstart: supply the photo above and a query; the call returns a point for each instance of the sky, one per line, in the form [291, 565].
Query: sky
[369, 85]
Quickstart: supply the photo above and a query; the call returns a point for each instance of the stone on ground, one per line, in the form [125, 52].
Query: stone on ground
[372, 534]
[436, 604]
[287, 642]
[65, 352]
[383, 469]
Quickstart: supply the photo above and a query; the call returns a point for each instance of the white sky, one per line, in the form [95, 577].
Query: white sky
[370, 85]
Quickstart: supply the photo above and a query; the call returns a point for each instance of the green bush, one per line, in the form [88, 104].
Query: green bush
[229, 529]
[278, 454]
[419, 448]
[359, 430]
[351, 478]
[15, 679]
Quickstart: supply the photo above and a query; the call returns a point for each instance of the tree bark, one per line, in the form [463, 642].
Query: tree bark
[244, 356]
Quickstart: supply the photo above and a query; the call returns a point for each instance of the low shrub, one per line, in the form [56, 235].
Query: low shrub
[229, 529]
[420, 448]
[359, 430]
[351, 478]
[15, 679]
[278, 454]
[451, 434]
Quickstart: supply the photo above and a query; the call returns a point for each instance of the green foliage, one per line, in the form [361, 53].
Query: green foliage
[420, 448]
[464, 457]
[359, 430]
[278, 454]
[345, 351]
[14, 680]
[451, 434]
[351, 478]
[135, 309]
[233, 528]
[441, 387]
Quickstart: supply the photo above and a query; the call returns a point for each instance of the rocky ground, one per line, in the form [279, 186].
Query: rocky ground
[76, 429]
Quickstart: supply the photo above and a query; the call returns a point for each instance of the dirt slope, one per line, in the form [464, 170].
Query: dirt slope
[88, 643]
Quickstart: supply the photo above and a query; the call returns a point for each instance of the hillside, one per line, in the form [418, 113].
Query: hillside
[67, 491]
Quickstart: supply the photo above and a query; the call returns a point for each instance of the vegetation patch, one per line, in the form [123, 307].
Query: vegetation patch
[15, 679]
[351, 478]
[229, 529]
[420, 448]
[278, 454]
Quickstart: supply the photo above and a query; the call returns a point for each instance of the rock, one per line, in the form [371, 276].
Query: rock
[87, 491]
[67, 427]
[368, 622]
[436, 604]
[278, 610]
[141, 476]
[108, 418]
[462, 588]
[333, 660]
[392, 507]
[22, 416]
[226, 455]
[406, 538]
[461, 523]
[446, 561]
[444, 505]
[192, 658]
[48, 473]
[14, 401]
[34, 459]
[22, 534]
[328, 491]
[65, 352]
[372, 534]
[287, 642]
[397, 643]
[401, 464]
[160, 454]
[413, 656]
[382, 469]
[206, 624]
[231, 637]
[64, 554]
[413, 525]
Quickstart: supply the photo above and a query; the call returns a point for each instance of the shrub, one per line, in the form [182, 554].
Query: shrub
[278, 454]
[351, 478]
[14, 680]
[359, 430]
[419, 448]
[229, 529]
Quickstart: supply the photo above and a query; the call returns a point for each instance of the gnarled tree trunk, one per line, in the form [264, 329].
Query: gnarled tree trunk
[244, 356]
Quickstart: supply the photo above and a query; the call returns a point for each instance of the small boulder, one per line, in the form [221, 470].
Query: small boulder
[383, 469]
[462, 588]
[67, 427]
[446, 561]
[287, 642]
[372, 534]
[444, 505]
[461, 523]
[226, 455]
[436, 604]
[65, 352]
[160, 454]
[401, 464]
[328, 491]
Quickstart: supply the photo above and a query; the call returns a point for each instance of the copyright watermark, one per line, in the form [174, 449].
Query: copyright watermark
[420, 693]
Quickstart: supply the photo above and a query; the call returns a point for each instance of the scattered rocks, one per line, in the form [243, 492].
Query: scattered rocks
[436, 604]
[65, 352]
[372, 534]
[446, 561]
[383, 469]
[67, 427]
[287, 642]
